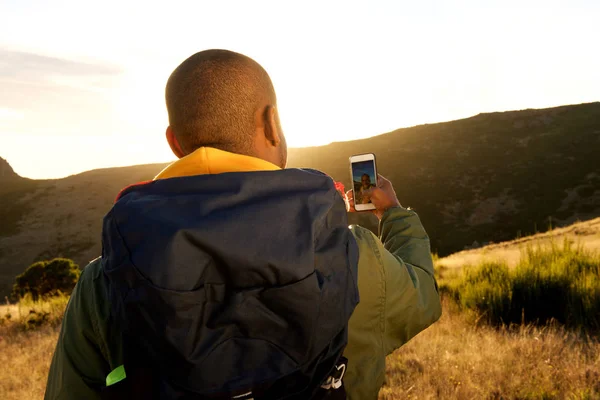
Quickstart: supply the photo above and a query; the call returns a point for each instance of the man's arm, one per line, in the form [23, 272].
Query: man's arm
[398, 295]
[410, 293]
[79, 367]
[412, 302]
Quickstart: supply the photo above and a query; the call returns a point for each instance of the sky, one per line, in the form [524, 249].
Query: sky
[363, 167]
[82, 83]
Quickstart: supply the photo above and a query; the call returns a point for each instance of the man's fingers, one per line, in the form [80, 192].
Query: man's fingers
[382, 180]
[350, 197]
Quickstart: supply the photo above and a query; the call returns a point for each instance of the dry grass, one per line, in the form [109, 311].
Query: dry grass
[25, 358]
[455, 359]
[28, 334]
[29, 315]
[586, 234]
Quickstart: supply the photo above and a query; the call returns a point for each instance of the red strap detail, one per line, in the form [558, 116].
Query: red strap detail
[126, 188]
[339, 186]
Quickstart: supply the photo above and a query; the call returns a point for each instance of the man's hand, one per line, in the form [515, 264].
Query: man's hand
[382, 196]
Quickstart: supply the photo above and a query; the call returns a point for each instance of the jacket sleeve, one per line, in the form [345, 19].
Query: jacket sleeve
[78, 368]
[412, 301]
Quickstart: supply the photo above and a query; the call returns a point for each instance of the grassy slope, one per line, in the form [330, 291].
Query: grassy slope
[455, 360]
[586, 234]
[25, 358]
[26, 346]
[450, 360]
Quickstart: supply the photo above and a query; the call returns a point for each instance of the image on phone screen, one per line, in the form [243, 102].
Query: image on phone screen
[364, 178]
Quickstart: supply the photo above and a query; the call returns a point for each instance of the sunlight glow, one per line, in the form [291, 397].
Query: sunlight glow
[87, 85]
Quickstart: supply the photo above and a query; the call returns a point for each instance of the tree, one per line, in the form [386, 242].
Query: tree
[47, 278]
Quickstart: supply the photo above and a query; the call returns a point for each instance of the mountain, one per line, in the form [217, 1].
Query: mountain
[489, 178]
[6, 171]
[41, 219]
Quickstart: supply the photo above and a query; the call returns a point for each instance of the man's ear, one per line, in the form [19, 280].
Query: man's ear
[272, 133]
[173, 143]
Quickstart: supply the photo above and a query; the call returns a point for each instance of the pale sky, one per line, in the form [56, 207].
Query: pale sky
[82, 83]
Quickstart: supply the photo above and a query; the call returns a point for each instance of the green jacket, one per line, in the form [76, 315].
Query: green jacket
[398, 299]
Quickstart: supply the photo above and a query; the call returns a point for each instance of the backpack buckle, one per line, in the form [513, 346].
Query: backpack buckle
[334, 381]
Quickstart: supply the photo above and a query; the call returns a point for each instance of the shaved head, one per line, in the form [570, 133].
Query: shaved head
[215, 98]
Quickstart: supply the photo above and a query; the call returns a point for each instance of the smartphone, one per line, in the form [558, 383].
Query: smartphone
[363, 172]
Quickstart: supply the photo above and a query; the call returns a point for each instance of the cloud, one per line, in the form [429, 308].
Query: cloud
[22, 72]
[41, 94]
[18, 65]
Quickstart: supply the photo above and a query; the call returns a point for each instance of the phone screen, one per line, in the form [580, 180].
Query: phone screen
[364, 178]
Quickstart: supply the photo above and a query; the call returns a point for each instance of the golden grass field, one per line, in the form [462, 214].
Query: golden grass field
[453, 359]
[456, 358]
[26, 349]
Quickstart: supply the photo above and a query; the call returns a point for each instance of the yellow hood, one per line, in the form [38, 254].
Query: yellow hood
[208, 160]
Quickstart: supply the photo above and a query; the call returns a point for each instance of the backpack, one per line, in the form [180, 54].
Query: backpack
[216, 300]
[142, 383]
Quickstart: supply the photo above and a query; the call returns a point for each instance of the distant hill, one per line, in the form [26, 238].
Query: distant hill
[6, 171]
[489, 178]
[40, 219]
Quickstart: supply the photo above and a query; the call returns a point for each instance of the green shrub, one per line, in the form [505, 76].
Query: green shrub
[47, 278]
[556, 283]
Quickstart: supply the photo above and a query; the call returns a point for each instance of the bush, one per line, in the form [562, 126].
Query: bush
[47, 278]
[555, 283]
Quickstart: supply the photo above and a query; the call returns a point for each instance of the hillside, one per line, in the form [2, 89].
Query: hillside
[40, 219]
[585, 234]
[489, 178]
[6, 171]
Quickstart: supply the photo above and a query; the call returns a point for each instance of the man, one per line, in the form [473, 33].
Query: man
[228, 265]
[365, 189]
